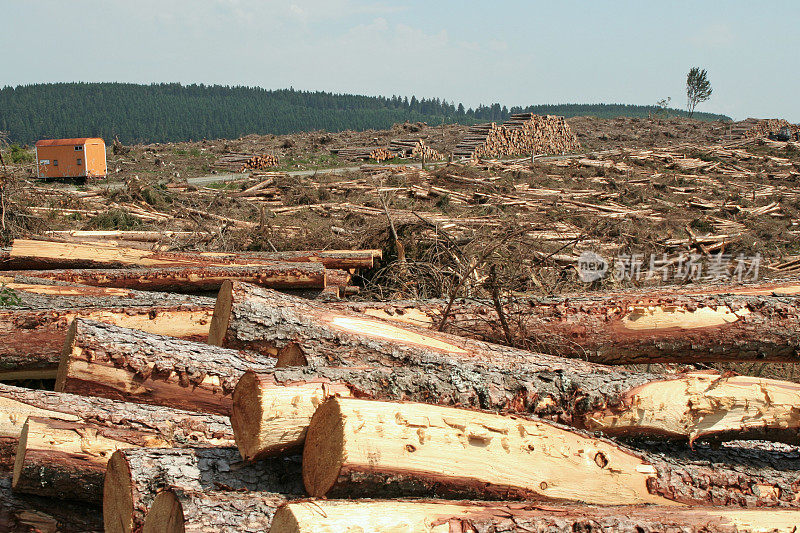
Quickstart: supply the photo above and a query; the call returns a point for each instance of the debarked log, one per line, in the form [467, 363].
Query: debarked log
[429, 516]
[135, 476]
[123, 364]
[42, 255]
[380, 449]
[191, 279]
[623, 329]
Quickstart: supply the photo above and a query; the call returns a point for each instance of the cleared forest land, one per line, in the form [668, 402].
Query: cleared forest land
[613, 329]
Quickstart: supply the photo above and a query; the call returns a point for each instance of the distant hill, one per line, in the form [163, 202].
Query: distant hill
[173, 112]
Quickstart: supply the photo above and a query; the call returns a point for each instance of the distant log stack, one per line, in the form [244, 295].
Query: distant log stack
[762, 128]
[365, 153]
[415, 149]
[523, 134]
[260, 162]
[245, 162]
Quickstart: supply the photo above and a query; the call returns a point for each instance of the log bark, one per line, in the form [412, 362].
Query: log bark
[123, 364]
[67, 460]
[566, 390]
[191, 511]
[183, 428]
[625, 329]
[30, 514]
[135, 476]
[32, 334]
[366, 448]
[193, 279]
[271, 411]
[301, 332]
[43, 255]
[431, 516]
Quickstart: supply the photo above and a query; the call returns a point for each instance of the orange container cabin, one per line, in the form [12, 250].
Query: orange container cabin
[71, 158]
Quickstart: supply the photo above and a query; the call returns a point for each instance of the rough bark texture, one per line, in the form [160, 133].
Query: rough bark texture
[67, 460]
[191, 511]
[737, 473]
[189, 279]
[182, 428]
[569, 391]
[350, 455]
[124, 364]
[625, 329]
[40, 294]
[31, 514]
[431, 516]
[43, 255]
[304, 332]
[271, 411]
[135, 476]
[32, 334]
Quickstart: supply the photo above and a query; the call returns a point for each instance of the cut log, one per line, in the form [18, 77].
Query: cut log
[625, 329]
[301, 332]
[135, 476]
[32, 334]
[366, 448]
[191, 511]
[183, 428]
[43, 255]
[391, 516]
[568, 391]
[271, 412]
[123, 364]
[67, 460]
[192, 279]
[30, 514]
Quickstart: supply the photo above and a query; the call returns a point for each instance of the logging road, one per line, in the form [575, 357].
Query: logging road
[231, 176]
[215, 178]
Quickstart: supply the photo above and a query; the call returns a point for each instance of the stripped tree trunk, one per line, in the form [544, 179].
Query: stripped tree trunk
[38, 255]
[367, 448]
[624, 329]
[271, 412]
[124, 364]
[430, 516]
[193, 278]
[191, 511]
[135, 476]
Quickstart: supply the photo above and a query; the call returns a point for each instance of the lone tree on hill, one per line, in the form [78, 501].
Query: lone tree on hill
[698, 88]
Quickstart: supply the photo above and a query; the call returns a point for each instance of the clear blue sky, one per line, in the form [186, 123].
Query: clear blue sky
[513, 52]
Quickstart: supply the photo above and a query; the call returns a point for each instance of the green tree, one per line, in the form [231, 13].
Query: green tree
[698, 88]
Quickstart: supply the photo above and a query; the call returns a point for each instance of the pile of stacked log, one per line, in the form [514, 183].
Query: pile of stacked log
[522, 134]
[762, 128]
[57, 282]
[299, 415]
[247, 162]
[365, 153]
[260, 162]
[415, 149]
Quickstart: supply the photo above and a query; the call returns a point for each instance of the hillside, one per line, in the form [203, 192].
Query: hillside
[173, 112]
